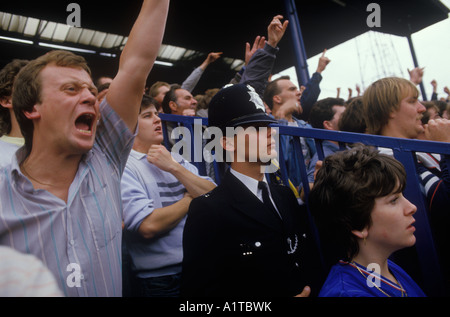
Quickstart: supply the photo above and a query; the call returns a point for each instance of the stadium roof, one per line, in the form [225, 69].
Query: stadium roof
[196, 28]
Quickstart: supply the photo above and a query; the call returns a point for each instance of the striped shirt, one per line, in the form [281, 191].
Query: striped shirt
[79, 241]
[145, 188]
[433, 172]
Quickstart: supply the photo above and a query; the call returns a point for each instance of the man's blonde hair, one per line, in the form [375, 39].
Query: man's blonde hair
[382, 98]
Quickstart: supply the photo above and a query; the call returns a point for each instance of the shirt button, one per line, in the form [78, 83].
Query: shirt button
[72, 242]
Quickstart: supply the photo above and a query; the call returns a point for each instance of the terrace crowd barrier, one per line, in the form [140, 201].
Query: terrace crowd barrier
[421, 261]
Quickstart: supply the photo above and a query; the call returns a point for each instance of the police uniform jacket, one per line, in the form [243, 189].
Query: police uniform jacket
[235, 246]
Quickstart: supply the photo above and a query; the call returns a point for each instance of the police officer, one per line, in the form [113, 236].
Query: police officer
[249, 236]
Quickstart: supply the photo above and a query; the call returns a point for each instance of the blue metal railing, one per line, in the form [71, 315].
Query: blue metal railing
[404, 151]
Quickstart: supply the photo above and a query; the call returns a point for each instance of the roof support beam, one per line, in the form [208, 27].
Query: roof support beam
[297, 41]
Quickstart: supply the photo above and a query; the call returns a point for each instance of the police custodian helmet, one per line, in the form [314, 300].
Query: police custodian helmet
[237, 105]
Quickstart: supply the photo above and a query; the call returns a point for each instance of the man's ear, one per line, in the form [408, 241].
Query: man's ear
[227, 143]
[392, 115]
[6, 102]
[327, 125]
[277, 99]
[32, 115]
[173, 105]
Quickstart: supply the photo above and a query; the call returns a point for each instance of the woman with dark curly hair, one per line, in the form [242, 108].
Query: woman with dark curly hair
[363, 218]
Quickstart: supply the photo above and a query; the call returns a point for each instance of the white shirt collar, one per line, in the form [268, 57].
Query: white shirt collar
[249, 182]
[138, 155]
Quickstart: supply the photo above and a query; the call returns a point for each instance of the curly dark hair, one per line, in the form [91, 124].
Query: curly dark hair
[7, 76]
[344, 193]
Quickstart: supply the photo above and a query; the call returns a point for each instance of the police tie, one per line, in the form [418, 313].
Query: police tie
[266, 199]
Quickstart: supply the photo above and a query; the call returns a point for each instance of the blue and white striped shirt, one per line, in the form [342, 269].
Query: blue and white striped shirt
[145, 188]
[79, 241]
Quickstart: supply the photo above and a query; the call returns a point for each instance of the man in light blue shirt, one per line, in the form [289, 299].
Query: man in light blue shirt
[157, 189]
[60, 198]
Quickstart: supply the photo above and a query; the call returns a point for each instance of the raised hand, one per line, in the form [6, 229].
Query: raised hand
[323, 62]
[259, 43]
[276, 30]
[416, 75]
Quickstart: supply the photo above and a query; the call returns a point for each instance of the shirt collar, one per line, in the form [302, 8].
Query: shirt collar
[16, 141]
[138, 155]
[249, 182]
[18, 158]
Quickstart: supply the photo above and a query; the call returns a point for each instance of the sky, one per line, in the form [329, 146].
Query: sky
[353, 62]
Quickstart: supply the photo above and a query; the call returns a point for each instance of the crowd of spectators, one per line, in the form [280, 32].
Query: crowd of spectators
[93, 199]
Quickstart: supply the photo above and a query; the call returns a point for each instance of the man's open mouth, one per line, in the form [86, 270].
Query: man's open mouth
[85, 122]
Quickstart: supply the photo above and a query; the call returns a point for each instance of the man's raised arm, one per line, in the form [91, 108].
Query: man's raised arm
[137, 59]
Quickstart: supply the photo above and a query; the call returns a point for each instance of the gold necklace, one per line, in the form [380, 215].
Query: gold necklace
[25, 172]
[402, 290]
